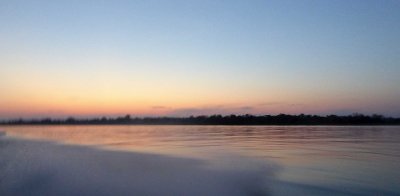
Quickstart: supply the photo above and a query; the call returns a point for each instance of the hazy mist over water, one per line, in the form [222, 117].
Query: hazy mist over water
[218, 160]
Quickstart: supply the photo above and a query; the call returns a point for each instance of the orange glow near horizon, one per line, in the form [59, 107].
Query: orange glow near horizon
[143, 107]
[43, 95]
[59, 96]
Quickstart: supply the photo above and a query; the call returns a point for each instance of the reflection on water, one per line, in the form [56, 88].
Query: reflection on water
[366, 157]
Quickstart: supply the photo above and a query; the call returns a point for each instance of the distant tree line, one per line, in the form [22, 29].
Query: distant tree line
[281, 119]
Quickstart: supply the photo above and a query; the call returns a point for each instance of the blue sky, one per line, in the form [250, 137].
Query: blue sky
[193, 57]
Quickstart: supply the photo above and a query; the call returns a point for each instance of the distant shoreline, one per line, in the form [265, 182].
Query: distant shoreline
[281, 119]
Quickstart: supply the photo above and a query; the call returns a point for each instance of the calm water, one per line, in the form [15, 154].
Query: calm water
[307, 159]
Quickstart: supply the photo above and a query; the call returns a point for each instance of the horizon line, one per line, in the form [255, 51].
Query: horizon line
[246, 119]
[139, 116]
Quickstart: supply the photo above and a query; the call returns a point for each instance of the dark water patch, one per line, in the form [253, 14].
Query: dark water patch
[295, 188]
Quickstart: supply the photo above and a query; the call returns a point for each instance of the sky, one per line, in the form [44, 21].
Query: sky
[180, 58]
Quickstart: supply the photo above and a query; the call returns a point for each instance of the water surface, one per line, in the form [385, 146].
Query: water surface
[309, 160]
